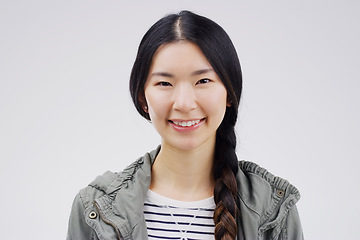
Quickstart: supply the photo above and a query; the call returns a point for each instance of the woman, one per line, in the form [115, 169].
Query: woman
[187, 81]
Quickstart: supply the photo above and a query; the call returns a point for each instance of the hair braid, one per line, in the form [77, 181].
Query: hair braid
[225, 192]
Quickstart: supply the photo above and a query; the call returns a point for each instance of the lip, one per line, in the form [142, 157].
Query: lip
[186, 128]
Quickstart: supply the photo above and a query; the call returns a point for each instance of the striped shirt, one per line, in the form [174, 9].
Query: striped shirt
[171, 219]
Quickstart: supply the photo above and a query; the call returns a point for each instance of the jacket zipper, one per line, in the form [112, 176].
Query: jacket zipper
[107, 222]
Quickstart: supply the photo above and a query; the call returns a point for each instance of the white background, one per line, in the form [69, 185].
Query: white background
[66, 114]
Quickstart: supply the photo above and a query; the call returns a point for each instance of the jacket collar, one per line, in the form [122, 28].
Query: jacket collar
[125, 194]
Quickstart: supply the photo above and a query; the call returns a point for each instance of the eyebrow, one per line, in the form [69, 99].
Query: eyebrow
[195, 73]
[162, 74]
[202, 71]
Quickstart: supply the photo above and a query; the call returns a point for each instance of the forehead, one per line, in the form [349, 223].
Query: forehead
[179, 56]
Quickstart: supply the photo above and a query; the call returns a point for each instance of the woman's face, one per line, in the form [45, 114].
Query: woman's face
[185, 98]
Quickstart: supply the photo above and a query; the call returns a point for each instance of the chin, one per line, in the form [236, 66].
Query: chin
[188, 146]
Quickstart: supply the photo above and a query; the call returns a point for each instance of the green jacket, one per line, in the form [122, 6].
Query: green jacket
[111, 207]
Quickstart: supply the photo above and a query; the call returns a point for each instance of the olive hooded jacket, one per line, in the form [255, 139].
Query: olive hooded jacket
[111, 207]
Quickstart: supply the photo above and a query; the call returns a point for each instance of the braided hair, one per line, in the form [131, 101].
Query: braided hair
[221, 54]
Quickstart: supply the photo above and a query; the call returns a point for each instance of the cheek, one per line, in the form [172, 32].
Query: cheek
[157, 107]
[216, 103]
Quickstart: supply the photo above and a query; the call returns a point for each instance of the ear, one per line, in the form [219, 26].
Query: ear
[228, 102]
[143, 103]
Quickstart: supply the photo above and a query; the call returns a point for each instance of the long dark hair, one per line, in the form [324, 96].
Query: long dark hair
[221, 54]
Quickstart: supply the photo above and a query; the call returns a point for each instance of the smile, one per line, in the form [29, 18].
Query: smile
[186, 123]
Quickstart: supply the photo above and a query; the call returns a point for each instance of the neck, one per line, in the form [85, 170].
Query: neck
[184, 175]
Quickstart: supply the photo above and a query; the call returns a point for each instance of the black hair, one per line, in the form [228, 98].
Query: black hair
[221, 54]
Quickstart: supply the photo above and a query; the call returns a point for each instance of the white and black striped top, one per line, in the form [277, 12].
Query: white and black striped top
[171, 219]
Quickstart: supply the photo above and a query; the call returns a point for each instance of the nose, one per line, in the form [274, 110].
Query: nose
[184, 98]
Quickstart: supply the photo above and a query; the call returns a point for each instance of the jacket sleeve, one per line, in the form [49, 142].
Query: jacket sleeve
[293, 228]
[78, 229]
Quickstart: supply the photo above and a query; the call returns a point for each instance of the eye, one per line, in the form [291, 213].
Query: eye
[163, 84]
[203, 81]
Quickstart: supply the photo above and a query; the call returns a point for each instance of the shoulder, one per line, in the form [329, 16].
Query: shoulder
[110, 182]
[104, 190]
[267, 203]
[260, 190]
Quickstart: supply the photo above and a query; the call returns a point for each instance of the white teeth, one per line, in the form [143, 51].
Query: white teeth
[186, 123]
